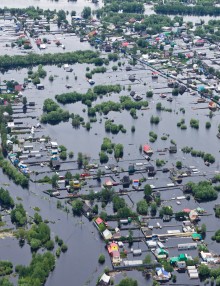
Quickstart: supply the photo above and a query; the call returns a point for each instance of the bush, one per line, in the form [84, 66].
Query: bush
[64, 248]
[142, 207]
[208, 125]
[194, 123]
[154, 119]
[179, 164]
[101, 259]
[149, 94]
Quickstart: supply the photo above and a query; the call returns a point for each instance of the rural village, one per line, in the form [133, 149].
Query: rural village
[110, 121]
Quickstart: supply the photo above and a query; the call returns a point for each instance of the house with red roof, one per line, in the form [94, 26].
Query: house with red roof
[147, 149]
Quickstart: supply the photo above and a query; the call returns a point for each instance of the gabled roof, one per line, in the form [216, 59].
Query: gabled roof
[99, 220]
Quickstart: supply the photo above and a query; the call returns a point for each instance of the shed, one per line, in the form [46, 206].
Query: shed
[173, 149]
[137, 252]
[104, 280]
[40, 86]
[131, 169]
[151, 244]
[107, 234]
[151, 171]
[54, 145]
[56, 164]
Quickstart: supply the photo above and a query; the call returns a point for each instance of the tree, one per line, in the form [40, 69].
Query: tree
[142, 207]
[124, 212]
[180, 216]
[175, 91]
[54, 180]
[38, 271]
[5, 282]
[147, 192]
[153, 208]
[149, 93]
[118, 203]
[203, 230]
[80, 160]
[68, 175]
[37, 218]
[128, 282]
[6, 200]
[166, 210]
[101, 258]
[64, 247]
[204, 271]
[86, 13]
[204, 191]
[24, 100]
[103, 157]
[77, 206]
[179, 164]
[71, 154]
[18, 215]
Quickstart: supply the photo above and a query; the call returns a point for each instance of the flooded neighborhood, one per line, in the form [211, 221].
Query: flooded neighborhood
[109, 158]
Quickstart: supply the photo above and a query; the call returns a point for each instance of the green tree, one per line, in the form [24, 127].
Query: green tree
[101, 258]
[24, 100]
[204, 271]
[86, 13]
[54, 180]
[147, 192]
[6, 200]
[179, 164]
[77, 206]
[5, 282]
[18, 215]
[80, 160]
[37, 218]
[118, 203]
[142, 207]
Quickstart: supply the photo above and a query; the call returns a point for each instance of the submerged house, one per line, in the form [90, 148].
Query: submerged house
[173, 149]
[162, 275]
[125, 181]
[113, 250]
[151, 171]
[104, 280]
[147, 149]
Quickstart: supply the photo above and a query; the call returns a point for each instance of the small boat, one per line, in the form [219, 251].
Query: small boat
[162, 95]
[91, 81]
[154, 75]
[137, 97]
[193, 93]
[201, 100]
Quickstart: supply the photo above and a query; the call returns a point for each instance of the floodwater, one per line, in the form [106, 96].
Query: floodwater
[50, 4]
[79, 266]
